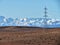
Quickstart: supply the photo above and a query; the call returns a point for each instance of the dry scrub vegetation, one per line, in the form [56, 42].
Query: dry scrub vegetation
[30, 36]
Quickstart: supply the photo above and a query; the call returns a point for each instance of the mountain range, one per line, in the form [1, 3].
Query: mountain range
[34, 22]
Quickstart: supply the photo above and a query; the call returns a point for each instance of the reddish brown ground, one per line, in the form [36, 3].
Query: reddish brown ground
[29, 36]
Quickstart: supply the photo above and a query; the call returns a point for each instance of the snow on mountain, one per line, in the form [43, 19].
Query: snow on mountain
[39, 22]
[2, 19]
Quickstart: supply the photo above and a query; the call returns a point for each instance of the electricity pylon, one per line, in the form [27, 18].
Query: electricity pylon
[45, 17]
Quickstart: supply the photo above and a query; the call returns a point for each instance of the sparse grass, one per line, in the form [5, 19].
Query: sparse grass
[30, 36]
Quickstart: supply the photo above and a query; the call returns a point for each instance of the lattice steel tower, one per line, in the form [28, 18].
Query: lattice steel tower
[45, 17]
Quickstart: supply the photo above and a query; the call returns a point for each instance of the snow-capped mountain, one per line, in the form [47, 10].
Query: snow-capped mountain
[38, 22]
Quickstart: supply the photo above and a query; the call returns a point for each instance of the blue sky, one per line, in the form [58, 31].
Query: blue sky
[29, 8]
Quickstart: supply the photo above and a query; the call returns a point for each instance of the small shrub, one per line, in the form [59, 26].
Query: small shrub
[0, 38]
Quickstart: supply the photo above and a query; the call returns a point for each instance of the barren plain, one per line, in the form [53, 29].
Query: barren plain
[29, 36]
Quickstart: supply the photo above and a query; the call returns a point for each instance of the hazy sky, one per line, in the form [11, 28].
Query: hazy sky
[29, 8]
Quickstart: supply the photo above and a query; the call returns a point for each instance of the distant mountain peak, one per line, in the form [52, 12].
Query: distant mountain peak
[37, 22]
